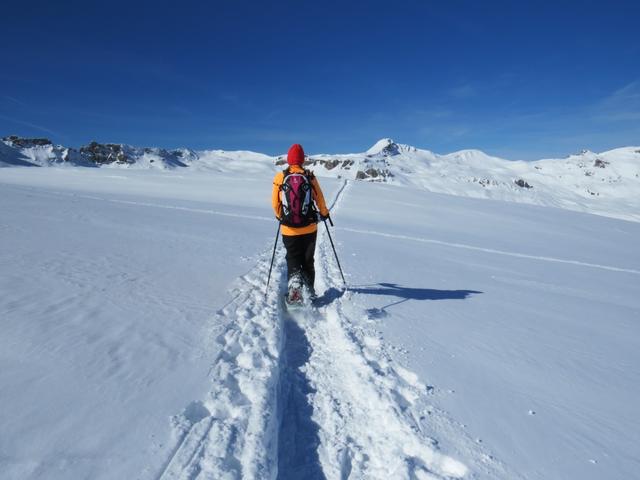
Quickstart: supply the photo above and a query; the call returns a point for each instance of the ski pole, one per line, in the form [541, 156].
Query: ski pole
[334, 251]
[272, 257]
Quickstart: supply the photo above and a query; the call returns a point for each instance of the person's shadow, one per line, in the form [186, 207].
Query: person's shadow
[405, 294]
[328, 297]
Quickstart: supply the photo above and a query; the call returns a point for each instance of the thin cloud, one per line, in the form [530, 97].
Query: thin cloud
[14, 100]
[463, 91]
[622, 105]
[630, 91]
[30, 125]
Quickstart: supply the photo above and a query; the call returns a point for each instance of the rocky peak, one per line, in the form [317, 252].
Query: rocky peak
[386, 147]
[102, 154]
[23, 142]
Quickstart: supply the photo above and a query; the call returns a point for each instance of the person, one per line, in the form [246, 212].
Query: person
[298, 213]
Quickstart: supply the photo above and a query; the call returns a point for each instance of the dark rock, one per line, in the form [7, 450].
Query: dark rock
[331, 164]
[104, 154]
[600, 163]
[522, 184]
[373, 174]
[391, 150]
[485, 181]
[27, 142]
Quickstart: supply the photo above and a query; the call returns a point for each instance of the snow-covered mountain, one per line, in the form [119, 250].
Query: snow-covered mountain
[41, 152]
[606, 183]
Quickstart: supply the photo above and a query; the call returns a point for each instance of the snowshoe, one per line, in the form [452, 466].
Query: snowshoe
[294, 296]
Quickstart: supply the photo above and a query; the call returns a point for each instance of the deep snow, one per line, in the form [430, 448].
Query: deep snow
[479, 337]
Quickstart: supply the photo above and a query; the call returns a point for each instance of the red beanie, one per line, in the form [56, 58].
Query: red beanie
[295, 156]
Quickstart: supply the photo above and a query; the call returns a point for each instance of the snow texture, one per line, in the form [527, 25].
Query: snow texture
[477, 338]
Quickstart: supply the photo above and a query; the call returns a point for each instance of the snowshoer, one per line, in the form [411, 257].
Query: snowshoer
[298, 203]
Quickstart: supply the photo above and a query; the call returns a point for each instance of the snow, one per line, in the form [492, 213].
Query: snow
[606, 184]
[109, 293]
[478, 339]
[379, 146]
[508, 309]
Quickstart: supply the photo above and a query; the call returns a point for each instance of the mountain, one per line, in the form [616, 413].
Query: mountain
[42, 152]
[606, 183]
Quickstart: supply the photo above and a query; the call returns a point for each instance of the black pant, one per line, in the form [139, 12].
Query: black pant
[300, 251]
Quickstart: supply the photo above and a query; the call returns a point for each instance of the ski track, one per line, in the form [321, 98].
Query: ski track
[137, 203]
[492, 250]
[304, 394]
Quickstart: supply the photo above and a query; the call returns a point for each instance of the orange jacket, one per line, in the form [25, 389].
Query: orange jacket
[276, 203]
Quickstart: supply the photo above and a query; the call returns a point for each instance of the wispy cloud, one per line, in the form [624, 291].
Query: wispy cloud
[622, 105]
[30, 125]
[14, 100]
[444, 133]
[463, 91]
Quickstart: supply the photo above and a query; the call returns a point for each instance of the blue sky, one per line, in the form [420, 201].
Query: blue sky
[516, 79]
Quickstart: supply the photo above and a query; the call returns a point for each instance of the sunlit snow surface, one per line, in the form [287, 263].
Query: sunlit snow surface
[479, 338]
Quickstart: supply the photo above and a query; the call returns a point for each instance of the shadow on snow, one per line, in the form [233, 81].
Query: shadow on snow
[405, 294]
[298, 438]
[328, 296]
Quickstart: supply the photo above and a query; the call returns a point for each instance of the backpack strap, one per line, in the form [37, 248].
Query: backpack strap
[311, 176]
[285, 172]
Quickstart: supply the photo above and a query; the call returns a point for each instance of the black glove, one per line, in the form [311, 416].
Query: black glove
[323, 218]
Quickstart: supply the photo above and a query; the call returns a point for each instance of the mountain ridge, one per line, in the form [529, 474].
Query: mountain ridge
[606, 183]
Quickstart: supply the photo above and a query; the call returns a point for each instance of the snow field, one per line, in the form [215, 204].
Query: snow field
[512, 310]
[478, 339]
[297, 395]
[109, 288]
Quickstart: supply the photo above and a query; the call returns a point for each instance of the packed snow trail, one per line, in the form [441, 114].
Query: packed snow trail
[304, 395]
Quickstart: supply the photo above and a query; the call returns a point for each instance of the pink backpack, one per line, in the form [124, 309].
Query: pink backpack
[298, 209]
